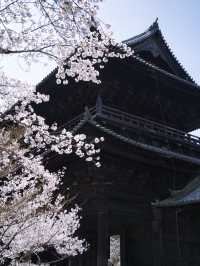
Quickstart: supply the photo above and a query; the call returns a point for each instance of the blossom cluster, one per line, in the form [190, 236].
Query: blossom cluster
[90, 56]
[31, 217]
[11, 91]
[72, 35]
[62, 24]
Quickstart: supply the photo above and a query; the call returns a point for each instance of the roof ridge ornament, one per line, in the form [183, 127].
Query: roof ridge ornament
[154, 25]
[148, 32]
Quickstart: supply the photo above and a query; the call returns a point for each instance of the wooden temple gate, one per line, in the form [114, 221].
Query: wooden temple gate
[148, 187]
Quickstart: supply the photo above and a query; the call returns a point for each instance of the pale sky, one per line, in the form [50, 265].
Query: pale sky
[179, 21]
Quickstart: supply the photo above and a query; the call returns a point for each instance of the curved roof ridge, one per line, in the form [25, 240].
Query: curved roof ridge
[150, 31]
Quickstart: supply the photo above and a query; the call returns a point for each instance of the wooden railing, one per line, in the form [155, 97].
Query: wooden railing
[139, 123]
[147, 125]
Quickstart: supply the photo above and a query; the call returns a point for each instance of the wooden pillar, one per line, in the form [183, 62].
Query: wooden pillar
[102, 238]
[157, 236]
[123, 248]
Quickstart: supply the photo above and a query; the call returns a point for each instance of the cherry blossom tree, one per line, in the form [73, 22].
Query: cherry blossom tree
[33, 213]
[60, 30]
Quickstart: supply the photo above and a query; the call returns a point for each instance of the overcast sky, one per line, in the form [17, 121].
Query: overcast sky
[179, 21]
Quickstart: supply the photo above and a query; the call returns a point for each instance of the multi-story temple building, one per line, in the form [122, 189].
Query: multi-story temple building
[148, 189]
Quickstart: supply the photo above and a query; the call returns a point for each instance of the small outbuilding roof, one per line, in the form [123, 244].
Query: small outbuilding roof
[190, 194]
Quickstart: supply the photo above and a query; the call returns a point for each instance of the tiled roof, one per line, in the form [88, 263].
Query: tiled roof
[190, 194]
[152, 30]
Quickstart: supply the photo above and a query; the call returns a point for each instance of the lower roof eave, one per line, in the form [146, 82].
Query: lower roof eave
[173, 204]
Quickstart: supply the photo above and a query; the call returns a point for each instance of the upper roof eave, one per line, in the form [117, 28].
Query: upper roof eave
[152, 30]
[166, 73]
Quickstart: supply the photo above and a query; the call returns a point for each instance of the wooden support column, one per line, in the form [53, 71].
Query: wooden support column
[123, 248]
[103, 238]
[157, 236]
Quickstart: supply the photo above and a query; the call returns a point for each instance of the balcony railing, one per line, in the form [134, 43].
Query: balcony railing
[147, 125]
[138, 123]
